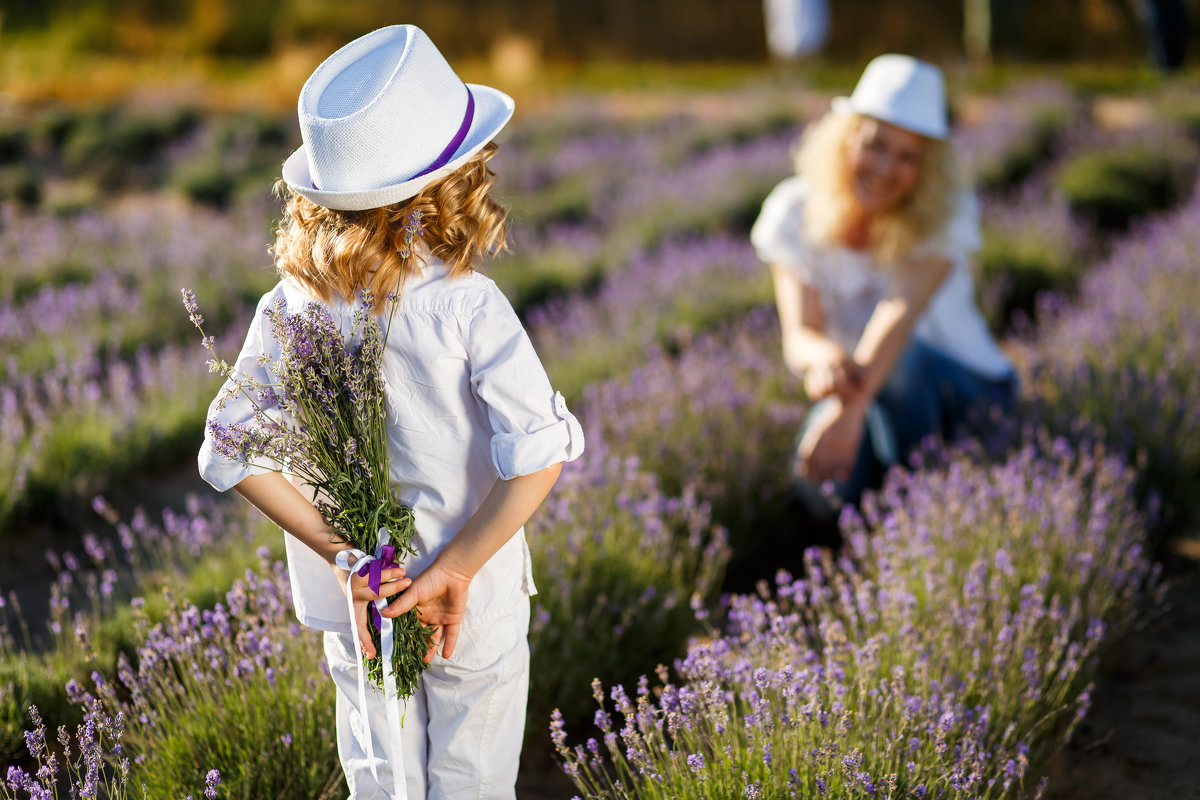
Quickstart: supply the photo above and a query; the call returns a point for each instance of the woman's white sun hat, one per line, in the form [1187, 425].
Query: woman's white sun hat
[903, 91]
[383, 117]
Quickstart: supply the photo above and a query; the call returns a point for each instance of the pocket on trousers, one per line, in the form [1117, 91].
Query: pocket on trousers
[482, 644]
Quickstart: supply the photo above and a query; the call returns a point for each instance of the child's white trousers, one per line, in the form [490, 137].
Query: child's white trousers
[463, 729]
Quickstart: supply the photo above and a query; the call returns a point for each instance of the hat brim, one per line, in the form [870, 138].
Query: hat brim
[493, 109]
[844, 105]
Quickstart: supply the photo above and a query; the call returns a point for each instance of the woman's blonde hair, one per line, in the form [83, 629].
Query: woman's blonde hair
[333, 254]
[822, 160]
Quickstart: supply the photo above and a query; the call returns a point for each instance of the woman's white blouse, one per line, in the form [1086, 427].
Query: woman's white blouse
[469, 403]
[850, 284]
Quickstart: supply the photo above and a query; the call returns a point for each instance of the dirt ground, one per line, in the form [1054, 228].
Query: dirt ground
[1141, 740]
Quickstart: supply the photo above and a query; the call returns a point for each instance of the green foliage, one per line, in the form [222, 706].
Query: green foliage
[1092, 78]
[1014, 267]
[1019, 162]
[118, 148]
[91, 148]
[27, 680]
[1181, 107]
[207, 182]
[65, 273]
[531, 278]
[566, 200]
[73, 198]
[52, 129]
[21, 183]
[1111, 188]
[14, 143]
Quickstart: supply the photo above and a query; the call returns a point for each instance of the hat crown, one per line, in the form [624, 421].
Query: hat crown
[903, 91]
[380, 110]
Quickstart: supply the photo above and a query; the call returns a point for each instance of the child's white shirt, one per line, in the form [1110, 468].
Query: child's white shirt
[468, 402]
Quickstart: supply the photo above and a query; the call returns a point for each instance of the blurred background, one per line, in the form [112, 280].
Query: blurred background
[257, 50]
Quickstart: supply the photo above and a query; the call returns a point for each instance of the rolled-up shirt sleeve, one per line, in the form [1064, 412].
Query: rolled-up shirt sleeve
[221, 472]
[531, 426]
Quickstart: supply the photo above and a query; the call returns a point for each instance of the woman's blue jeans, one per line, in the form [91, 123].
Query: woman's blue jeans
[927, 393]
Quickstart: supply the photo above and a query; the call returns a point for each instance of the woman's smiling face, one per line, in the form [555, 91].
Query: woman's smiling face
[885, 164]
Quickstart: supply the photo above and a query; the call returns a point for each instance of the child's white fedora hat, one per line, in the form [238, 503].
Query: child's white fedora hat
[902, 90]
[383, 117]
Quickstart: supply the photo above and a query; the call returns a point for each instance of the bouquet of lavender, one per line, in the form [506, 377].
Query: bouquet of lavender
[323, 419]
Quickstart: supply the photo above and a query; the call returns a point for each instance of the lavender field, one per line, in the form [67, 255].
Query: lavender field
[693, 636]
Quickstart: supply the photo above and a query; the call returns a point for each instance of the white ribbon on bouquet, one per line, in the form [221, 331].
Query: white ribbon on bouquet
[391, 694]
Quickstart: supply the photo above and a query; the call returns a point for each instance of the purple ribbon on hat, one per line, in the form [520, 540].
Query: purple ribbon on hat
[458, 139]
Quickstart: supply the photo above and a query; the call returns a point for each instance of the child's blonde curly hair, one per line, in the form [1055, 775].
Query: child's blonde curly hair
[333, 254]
[821, 159]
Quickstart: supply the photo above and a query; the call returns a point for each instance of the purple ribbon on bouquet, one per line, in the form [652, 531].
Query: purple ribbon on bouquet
[372, 566]
[373, 570]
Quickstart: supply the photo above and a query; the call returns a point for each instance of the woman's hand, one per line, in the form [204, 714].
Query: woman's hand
[440, 595]
[393, 581]
[829, 447]
[838, 375]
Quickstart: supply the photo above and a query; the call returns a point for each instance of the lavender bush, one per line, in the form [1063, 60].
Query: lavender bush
[96, 763]
[1130, 175]
[613, 554]
[93, 384]
[82, 424]
[1121, 359]
[234, 685]
[69, 308]
[196, 552]
[1018, 135]
[1031, 245]
[663, 300]
[616, 555]
[946, 654]
[103, 283]
[633, 194]
[719, 416]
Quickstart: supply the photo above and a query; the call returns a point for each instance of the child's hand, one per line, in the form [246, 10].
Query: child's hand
[440, 594]
[393, 582]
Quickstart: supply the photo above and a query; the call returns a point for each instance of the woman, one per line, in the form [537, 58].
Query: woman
[869, 246]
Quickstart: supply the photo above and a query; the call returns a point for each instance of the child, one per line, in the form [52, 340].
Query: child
[477, 436]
